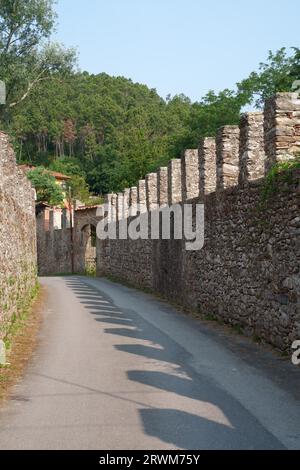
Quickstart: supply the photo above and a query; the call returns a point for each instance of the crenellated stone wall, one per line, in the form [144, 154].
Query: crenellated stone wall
[248, 271]
[17, 236]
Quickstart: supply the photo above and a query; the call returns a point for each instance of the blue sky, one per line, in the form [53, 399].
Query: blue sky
[177, 46]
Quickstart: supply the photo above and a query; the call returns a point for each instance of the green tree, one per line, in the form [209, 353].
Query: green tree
[213, 112]
[46, 187]
[276, 75]
[116, 131]
[67, 166]
[79, 187]
[295, 67]
[27, 58]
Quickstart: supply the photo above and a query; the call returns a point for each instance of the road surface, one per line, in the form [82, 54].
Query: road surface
[118, 369]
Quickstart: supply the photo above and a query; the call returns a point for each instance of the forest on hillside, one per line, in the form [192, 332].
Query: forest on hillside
[107, 132]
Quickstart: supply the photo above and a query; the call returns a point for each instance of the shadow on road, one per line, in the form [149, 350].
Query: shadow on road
[221, 421]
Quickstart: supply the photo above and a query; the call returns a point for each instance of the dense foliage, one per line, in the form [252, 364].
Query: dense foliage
[47, 190]
[107, 132]
[27, 57]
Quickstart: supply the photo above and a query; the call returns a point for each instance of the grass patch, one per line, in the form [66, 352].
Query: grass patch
[257, 339]
[208, 316]
[20, 340]
[19, 319]
[90, 270]
[280, 173]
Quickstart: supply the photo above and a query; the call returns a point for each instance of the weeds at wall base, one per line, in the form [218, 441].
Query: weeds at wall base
[91, 271]
[20, 316]
[20, 341]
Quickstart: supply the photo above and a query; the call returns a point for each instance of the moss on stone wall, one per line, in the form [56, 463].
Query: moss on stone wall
[283, 172]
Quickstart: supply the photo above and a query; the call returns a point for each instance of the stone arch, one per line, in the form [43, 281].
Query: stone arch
[85, 223]
[88, 245]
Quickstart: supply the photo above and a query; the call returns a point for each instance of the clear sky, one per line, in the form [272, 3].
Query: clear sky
[178, 46]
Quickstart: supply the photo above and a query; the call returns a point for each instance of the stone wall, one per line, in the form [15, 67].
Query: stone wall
[248, 272]
[62, 250]
[17, 236]
[54, 247]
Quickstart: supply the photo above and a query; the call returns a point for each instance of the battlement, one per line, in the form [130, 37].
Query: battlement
[237, 156]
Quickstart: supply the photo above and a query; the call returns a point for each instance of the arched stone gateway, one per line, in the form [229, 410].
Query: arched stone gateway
[85, 239]
[88, 244]
[64, 248]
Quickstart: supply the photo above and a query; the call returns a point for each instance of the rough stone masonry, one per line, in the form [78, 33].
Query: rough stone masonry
[17, 236]
[248, 273]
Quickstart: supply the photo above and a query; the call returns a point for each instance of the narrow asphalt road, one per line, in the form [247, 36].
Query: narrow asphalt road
[117, 369]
